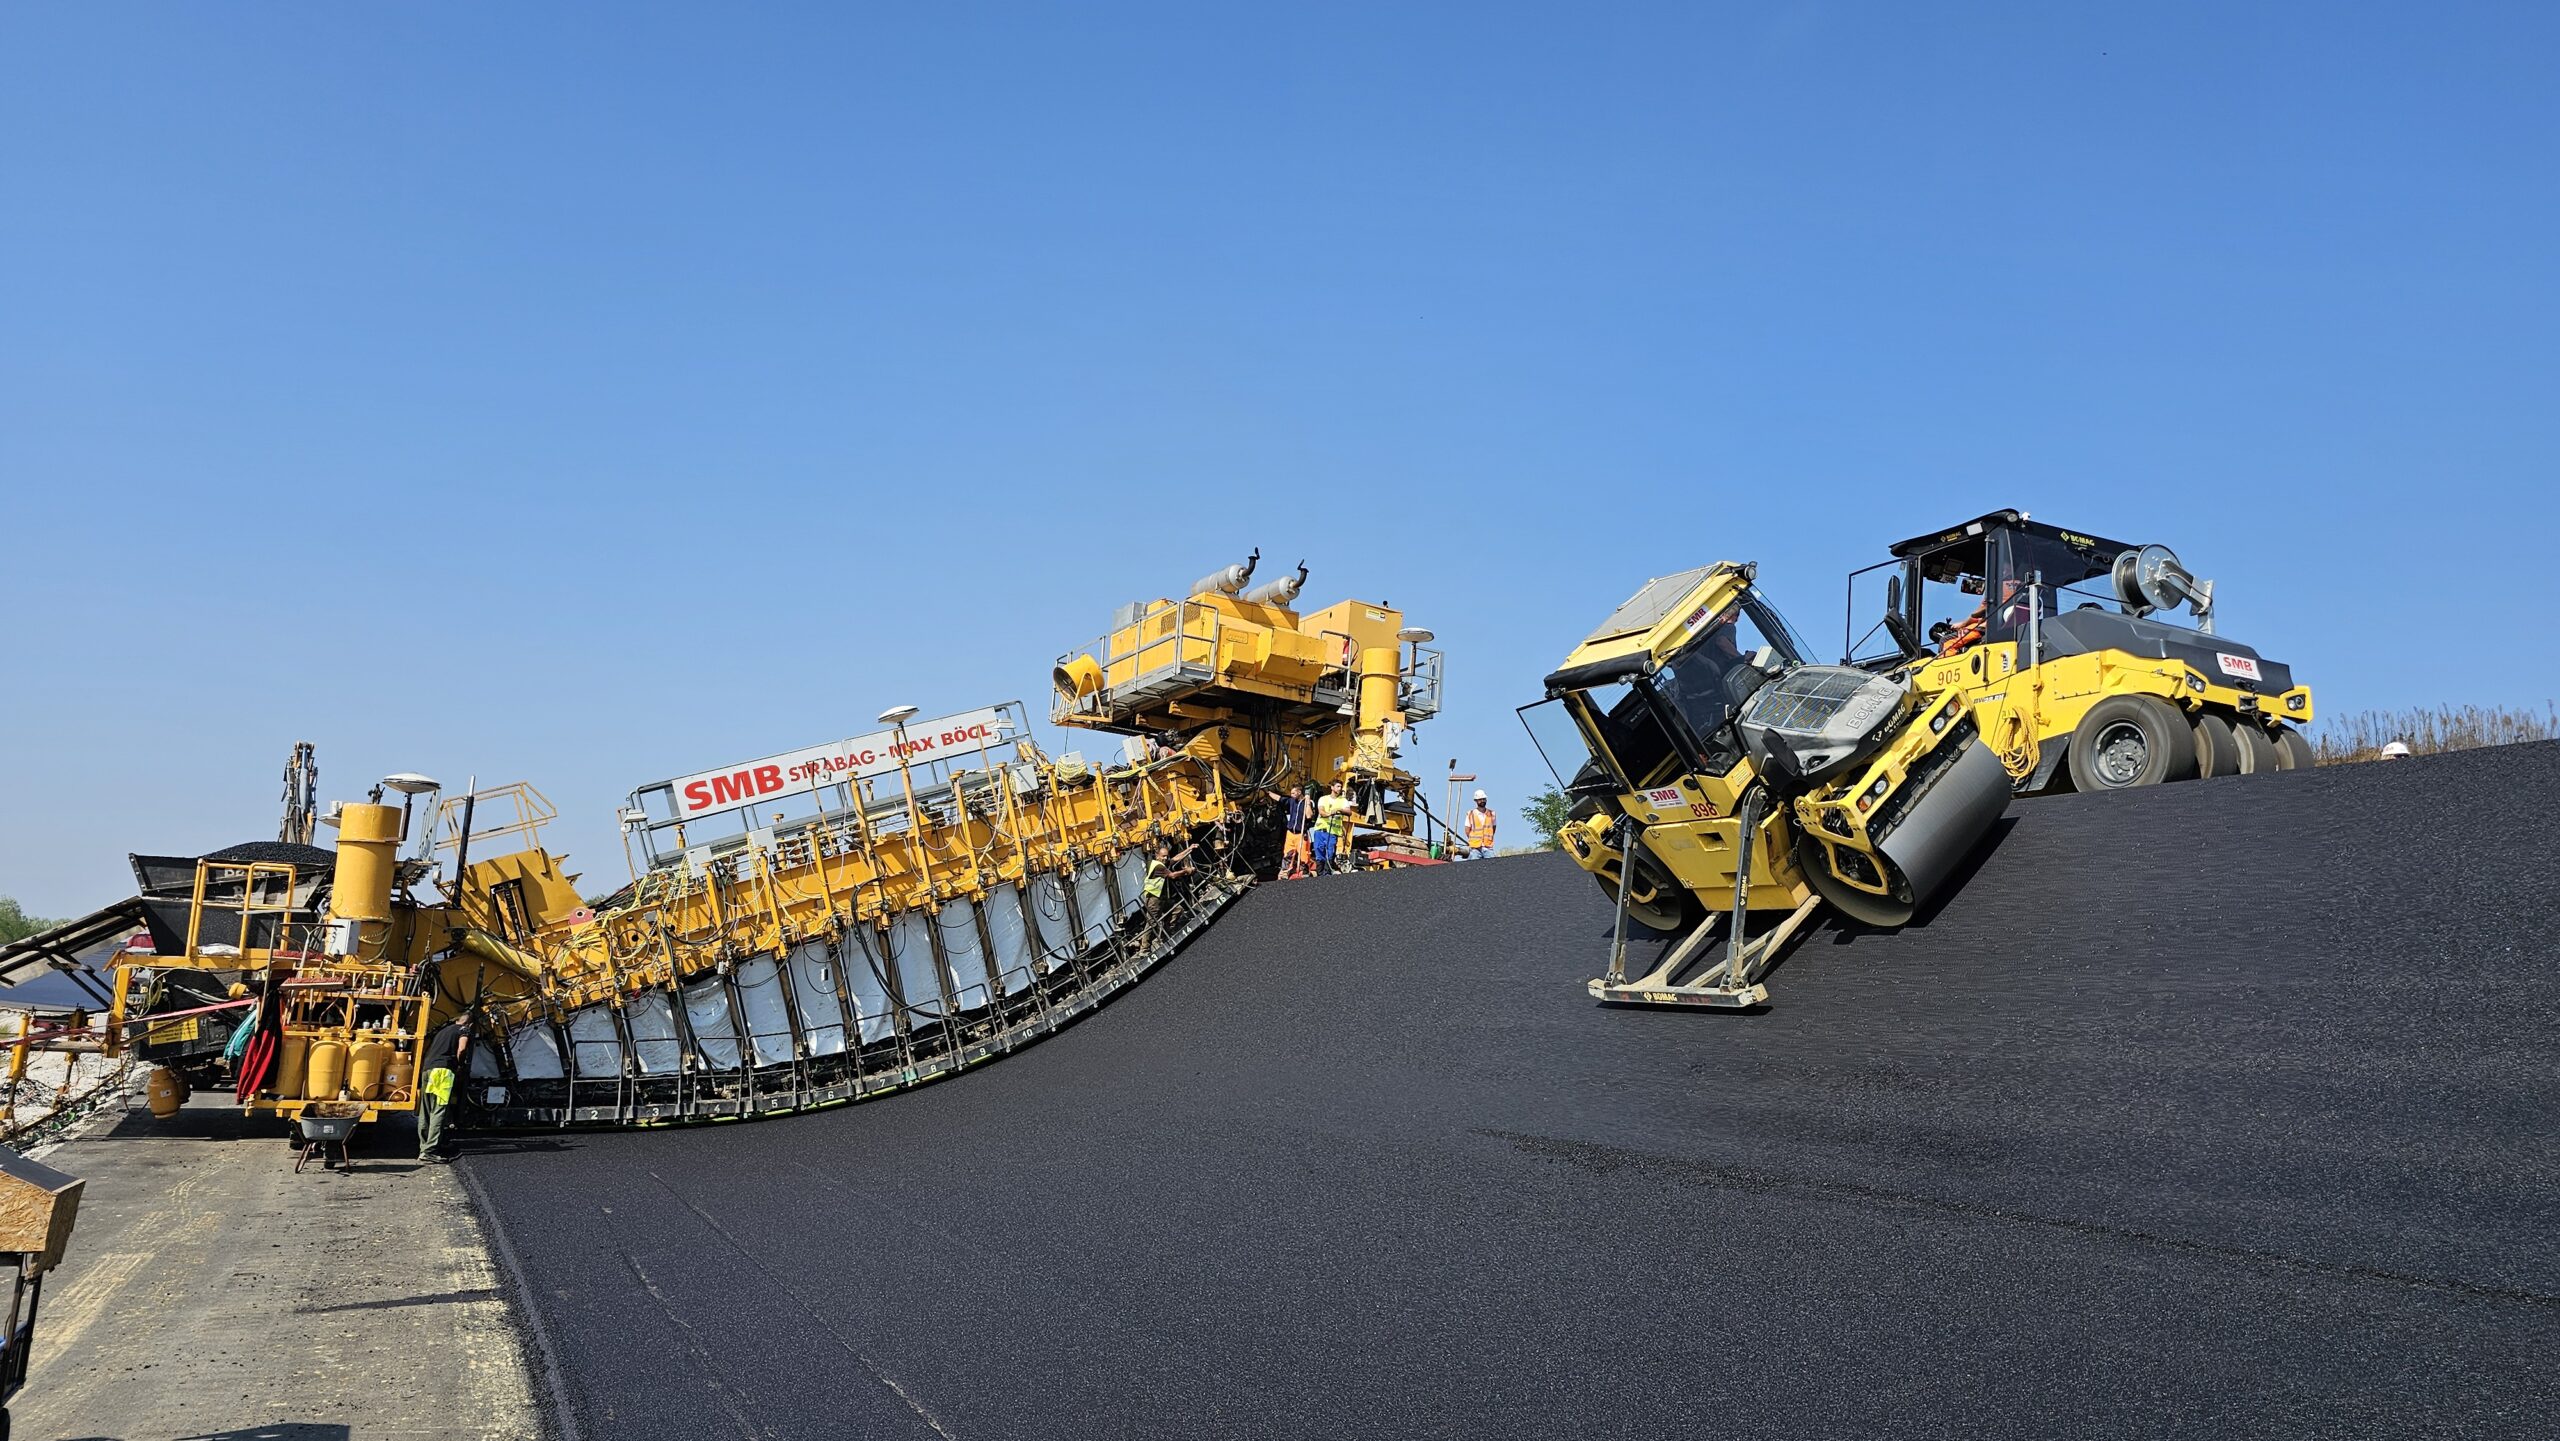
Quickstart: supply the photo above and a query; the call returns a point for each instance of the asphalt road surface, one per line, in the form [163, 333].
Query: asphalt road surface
[2226, 1109]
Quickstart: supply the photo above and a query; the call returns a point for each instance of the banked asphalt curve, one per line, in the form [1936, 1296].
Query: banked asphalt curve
[2217, 1110]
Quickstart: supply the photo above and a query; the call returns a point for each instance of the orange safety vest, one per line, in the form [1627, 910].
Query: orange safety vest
[1479, 828]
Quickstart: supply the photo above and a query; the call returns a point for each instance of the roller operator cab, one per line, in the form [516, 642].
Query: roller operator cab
[2066, 647]
[1690, 733]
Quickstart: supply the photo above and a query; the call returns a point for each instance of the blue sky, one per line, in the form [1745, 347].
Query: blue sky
[590, 394]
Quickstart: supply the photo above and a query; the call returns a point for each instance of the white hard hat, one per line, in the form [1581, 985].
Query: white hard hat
[1479, 795]
[2396, 749]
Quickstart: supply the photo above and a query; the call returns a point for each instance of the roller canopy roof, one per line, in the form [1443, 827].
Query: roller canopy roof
[2012, 519]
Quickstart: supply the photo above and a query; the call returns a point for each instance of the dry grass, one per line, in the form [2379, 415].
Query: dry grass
[2426, 731]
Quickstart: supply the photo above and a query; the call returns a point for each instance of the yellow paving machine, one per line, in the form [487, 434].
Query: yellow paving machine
[803, 929]
[1713, 771]
[1261, 698]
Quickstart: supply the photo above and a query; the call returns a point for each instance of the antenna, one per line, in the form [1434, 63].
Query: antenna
[301, 789]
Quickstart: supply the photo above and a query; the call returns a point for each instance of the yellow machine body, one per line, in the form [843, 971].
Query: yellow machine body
[1235, 690]
[1272, 696]
[1690, 821]
[2060, 626]
[1678, 815]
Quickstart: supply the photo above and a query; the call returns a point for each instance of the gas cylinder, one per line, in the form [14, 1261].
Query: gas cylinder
[401, 1076]
[167, 1092]
[328, 1070]
[290, 1060]
[364, 1068]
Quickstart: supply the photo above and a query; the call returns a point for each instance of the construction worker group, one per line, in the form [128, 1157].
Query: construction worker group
[1316, 832]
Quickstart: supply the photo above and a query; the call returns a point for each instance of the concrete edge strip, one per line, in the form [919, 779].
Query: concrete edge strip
[562, 1423]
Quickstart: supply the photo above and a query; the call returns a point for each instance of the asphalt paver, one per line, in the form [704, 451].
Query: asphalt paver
[2220, 1109]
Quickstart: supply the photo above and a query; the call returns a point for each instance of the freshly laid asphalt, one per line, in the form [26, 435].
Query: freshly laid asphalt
[2226, 1109]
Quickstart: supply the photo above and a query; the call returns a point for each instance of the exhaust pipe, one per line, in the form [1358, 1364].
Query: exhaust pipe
[1282, 592]
[1226, 579]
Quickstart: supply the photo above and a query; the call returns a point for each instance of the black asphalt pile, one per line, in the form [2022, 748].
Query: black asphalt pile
[2225, 1109]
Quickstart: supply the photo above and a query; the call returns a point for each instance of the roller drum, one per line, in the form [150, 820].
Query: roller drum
[1929, 841]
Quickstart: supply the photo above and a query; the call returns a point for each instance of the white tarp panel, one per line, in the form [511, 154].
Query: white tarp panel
[768, 1016]
[595, 1043]
[536, 1049]
[864, 966]
[813, 985]
[960, 950]
[715, 1031]
[1014, 952]
[1133, 876]
[911, 942]
[1057, 936]
[1093, 902]
[653, 1034]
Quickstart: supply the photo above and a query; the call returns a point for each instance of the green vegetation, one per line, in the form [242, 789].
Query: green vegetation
[16, 924]
[2428, 730]
[1547, 812]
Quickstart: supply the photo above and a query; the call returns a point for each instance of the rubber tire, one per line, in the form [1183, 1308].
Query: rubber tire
[2169, 743]
[2257, 750]
[2293, 753]
[2217, 749]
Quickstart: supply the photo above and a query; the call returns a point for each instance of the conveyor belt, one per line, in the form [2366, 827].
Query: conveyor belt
[2223, 1109]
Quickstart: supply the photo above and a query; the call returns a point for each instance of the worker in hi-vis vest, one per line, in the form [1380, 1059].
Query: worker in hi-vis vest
[440, 1068]
[1480, 823]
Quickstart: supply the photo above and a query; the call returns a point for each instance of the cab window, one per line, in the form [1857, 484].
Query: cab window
[1640, 749]
[2068, 576]
[1705, 685]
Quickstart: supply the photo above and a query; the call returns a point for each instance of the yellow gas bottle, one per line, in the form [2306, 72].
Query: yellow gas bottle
[167, 1092]
[328, 1069]
[365, 1066]
[291, 1057]
[403, 1074]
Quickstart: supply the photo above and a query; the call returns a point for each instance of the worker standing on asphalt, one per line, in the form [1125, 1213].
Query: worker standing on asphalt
[1480, 824]
[1325, 841]
[1296, 858]
[442, 1067]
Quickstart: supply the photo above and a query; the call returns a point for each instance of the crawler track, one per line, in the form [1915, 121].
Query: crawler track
[2223, 1109]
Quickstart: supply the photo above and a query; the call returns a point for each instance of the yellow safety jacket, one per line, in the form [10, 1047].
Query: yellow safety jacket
[1479, 829]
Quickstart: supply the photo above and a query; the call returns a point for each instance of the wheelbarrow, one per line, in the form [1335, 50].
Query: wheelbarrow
[322, 1132]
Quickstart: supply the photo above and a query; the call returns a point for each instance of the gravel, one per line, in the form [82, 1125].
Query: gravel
[2221, 1109]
